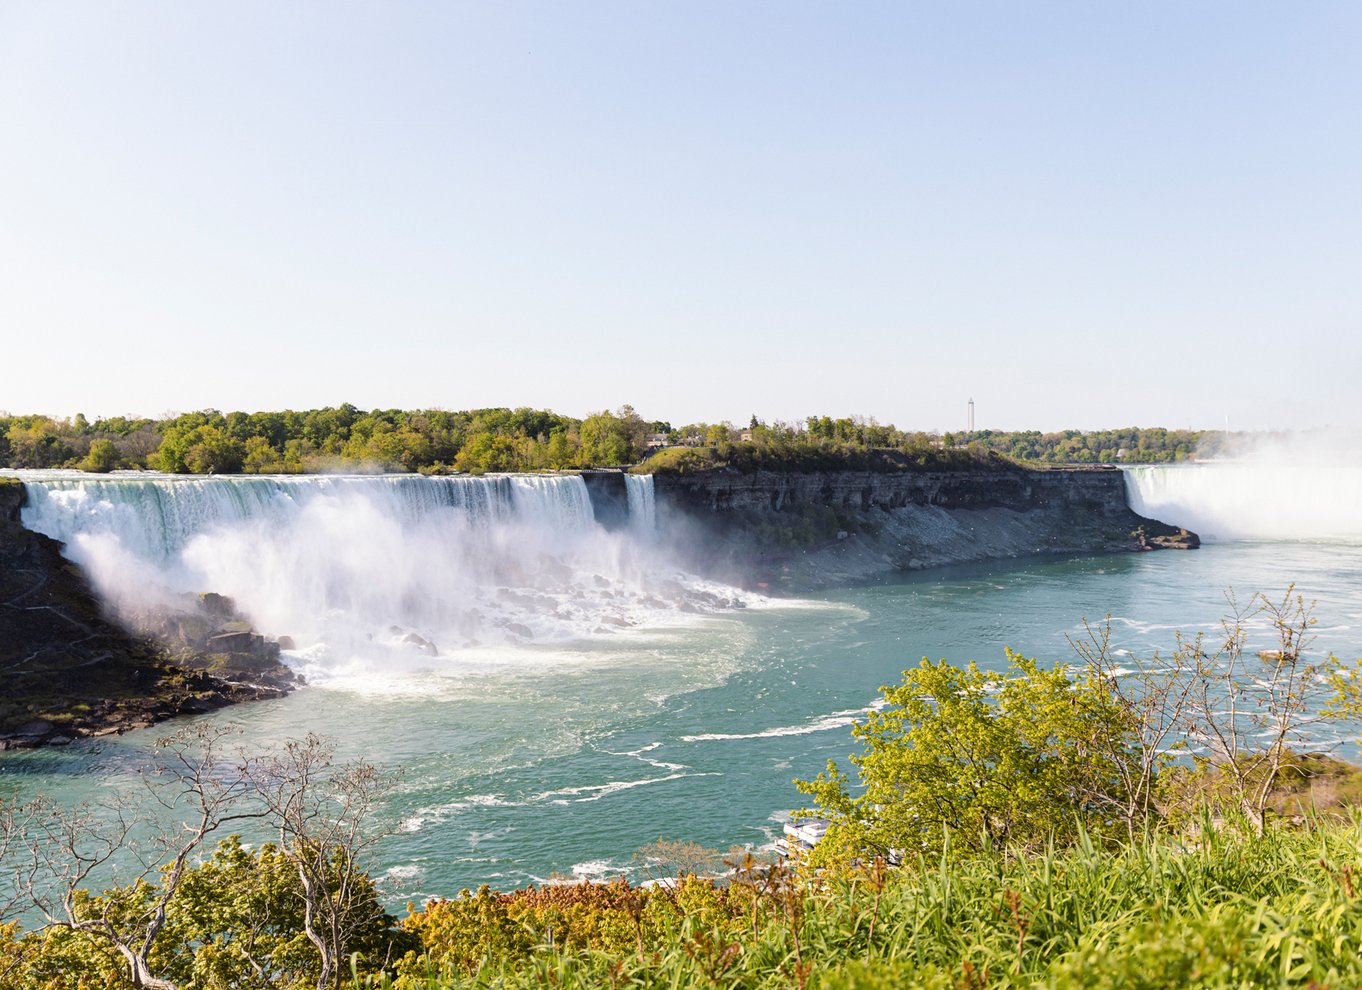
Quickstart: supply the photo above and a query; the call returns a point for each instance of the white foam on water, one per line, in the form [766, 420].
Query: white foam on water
[594, 792]
[476, 839]
[642, 757]
[596, 869]
[426, 817]
[825, 723]
[1142, 627]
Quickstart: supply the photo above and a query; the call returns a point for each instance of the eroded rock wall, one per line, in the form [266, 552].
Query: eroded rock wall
[807, 530]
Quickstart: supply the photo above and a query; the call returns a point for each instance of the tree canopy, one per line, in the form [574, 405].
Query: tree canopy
[344, 437]
[965, 756]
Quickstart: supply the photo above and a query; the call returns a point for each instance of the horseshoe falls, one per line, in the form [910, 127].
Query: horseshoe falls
[1252, 500]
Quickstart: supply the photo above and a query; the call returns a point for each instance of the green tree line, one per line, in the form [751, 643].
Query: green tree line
[482, 440]
[333, 438]
[1131, 445]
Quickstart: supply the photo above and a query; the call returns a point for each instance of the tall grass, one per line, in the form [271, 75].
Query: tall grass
[1221, 911]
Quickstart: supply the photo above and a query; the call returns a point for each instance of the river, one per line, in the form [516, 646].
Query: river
[587, 699]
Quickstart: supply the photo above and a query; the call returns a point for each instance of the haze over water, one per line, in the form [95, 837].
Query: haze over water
[601, 699]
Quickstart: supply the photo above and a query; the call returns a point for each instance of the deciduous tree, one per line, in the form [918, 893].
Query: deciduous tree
[1021, 757]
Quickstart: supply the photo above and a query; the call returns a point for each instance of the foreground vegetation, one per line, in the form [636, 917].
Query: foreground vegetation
[482, 440]
[1153, 825]
[1227, 910]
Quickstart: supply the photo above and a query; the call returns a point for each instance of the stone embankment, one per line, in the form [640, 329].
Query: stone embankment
[69, 671]
[802, 531]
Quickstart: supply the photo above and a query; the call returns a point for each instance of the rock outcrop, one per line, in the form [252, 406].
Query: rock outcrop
[609, 501]
[69, 671]
[799, 531]
[206, 632]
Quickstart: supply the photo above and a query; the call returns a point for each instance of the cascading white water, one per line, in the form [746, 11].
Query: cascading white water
[349, 567]
[158, 516]
[1235, 500]
[642, 504]
[561, 501]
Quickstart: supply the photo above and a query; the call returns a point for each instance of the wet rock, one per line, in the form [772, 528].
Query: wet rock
[232, 642]
[217, 606]
[1181, 540]
[419, 643]
[553, 569]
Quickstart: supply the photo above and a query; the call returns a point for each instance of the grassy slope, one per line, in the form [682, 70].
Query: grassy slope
[1283, 910]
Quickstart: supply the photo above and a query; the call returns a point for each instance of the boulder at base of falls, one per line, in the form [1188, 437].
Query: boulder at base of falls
[207, 632]
[1171, 539]
[420, 644]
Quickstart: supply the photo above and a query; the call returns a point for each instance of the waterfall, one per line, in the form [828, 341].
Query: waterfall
[351, 565]
[161, 515]
[642, 506]
[1237, 500]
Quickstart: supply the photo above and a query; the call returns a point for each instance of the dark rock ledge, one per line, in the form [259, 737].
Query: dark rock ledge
[67, 671]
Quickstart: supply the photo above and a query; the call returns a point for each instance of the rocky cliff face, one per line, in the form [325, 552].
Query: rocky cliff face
[69, 671]
[609, 500]
[801, 531]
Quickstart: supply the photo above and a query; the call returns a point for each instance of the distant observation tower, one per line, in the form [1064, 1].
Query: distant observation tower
[969, 416]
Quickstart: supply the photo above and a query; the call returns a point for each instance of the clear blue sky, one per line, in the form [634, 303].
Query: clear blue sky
[1080, 214]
